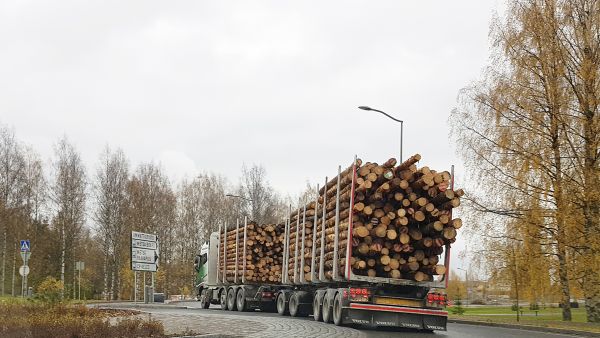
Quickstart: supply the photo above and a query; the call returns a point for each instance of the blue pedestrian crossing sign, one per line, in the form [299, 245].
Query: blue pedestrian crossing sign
[25, 245]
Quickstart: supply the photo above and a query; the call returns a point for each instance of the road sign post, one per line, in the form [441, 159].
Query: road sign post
[79, 266]
[144, 257]
[25, 245]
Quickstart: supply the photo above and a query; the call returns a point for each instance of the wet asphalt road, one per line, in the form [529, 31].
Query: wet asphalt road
[454, 330]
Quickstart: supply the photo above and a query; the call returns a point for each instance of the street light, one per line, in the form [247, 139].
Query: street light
[467, 284]
[391, 117]
[236, 196]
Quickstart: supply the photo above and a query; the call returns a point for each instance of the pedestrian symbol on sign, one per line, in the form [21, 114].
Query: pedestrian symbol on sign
[25, 245]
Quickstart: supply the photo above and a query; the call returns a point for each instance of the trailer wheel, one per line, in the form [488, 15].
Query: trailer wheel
[327, 311]
[223, 297]
[282, 307]
[317, 315]
[241, 300]
[338, 310]
[204, 299]
[231, 306]
[293, 304]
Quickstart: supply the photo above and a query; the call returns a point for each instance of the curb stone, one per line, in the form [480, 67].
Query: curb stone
[526, 327]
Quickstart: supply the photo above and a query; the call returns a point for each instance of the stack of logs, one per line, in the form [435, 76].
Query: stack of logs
[402, 218]
[264, 253]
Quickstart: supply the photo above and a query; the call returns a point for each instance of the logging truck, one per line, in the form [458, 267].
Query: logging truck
[360, 253]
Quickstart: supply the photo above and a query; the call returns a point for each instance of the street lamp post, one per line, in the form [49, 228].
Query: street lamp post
[391, 117]
[467, 284]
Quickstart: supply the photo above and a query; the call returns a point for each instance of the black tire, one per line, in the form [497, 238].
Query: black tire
[204, 299]
[241, 300]
[327, 309]
[293, 304]
[282, 305]
[317, 314]
[223, 299]
[231, 305]
[338, 311]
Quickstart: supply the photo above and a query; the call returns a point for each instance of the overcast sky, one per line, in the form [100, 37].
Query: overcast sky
[210, 85]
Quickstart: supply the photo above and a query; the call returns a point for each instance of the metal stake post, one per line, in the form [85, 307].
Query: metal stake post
[336, 262]
[323, 225]
[296, 245]
[301, 269]
[314, 240]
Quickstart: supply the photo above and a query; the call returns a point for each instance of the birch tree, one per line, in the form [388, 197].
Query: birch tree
[68, 196]
[110, 192]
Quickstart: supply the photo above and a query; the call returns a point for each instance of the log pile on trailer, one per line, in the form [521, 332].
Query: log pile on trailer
[401, 218]
[259, 254]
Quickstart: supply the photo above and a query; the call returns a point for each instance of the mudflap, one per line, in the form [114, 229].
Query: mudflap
[435, 322]
[393, 319]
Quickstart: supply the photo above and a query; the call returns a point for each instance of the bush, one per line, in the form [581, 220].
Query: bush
[534, 306]
[50, 290]
[457, 309]
[40, 320]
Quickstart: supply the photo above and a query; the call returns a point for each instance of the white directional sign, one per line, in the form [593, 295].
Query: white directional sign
[136, 243]
[144, 251]
[142, 236]
[144, 267]
[24, 270]
[144, 255]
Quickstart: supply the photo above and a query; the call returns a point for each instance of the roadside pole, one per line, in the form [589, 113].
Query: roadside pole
[24, 270]
[135, 286]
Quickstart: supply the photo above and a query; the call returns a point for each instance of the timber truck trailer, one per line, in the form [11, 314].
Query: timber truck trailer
[346, 298]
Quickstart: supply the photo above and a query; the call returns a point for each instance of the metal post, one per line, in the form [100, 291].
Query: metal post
[301, 269]
[244, 251]
[323, 226]
[286, 267]
[79, 280]
[337, 225]
[349, 237]
[237, 241]
[314, 240]
[296, 245]
[401, 132]
[135, 286]
[225, 254]
[219, 253]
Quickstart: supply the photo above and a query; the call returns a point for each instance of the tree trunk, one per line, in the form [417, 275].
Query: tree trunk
[62, 260]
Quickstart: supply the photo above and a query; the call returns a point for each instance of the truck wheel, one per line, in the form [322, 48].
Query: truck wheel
[204, 299]
[317, 308]
[338, 310]
[327, 311]
[223, 298]
[293, 304]
[241, 300]
[231, 306]
[282, 307]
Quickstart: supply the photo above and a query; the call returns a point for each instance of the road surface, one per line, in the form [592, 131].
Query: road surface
[192, 318]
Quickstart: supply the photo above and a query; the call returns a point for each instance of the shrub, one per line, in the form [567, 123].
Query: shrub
[534, 306]
[50, 290]
[457, 309]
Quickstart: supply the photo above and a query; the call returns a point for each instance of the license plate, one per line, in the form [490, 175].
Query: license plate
[398, 302]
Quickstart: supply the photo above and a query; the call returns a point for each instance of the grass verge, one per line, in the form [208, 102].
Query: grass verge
[548, 317]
